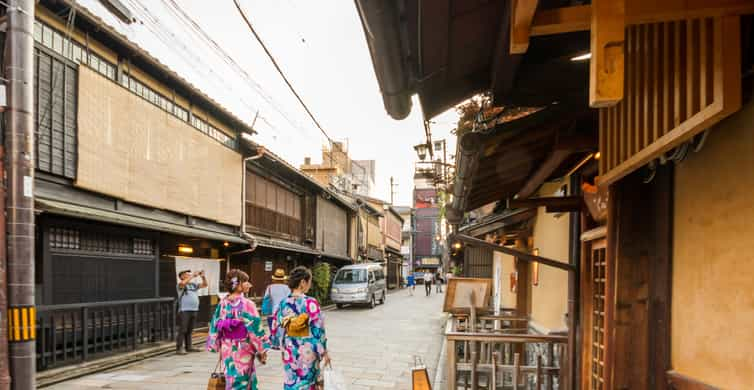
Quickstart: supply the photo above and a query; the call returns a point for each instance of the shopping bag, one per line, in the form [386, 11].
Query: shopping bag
[333, 380]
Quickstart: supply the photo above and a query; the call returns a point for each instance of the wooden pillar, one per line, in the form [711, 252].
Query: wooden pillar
[608, 24]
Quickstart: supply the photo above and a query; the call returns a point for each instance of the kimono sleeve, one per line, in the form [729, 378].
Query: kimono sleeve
[213, 344]
[253, 322]
[316, 325]
[276, 334]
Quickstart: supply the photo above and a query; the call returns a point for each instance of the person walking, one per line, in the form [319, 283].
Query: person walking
[274, 294]
[188, 306]
[236, 332]
[298, 328]
[428, 282]
[438, 282]
[411, 284]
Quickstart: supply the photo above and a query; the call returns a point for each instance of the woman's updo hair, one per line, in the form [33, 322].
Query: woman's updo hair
[297, 275]
[235, 278]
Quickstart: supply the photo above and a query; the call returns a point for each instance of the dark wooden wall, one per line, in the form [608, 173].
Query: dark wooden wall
[643, 242]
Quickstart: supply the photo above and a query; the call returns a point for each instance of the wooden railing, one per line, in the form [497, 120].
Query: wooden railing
[496, 352]
[74, 333]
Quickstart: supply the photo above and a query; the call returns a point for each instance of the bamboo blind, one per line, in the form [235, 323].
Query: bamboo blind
[680, 78]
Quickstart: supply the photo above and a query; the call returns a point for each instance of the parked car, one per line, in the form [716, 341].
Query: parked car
[359, 284]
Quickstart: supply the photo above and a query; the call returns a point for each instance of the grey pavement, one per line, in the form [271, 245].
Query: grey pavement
[371, 349]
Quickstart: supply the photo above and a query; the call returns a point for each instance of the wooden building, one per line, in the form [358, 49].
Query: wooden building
[619, 166]
[135, 168]
[294, 220]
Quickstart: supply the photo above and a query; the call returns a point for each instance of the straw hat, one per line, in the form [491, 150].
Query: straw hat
[279, 275]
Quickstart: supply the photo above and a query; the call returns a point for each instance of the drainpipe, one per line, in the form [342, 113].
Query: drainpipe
[468, 158]
[19, 179]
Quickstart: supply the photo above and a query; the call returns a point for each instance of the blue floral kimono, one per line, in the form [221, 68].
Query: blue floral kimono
[301, 355]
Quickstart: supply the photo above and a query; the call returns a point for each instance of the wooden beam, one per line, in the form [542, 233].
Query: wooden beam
[578, 18]
[521, 255]
[561, 20]
[608, 41]
[543, 172]
[555, 204]
[522, 16]
[679, 381]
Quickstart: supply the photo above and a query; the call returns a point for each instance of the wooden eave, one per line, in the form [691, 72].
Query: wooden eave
[512, 152]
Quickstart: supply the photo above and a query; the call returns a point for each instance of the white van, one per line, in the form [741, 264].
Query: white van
[360, 284]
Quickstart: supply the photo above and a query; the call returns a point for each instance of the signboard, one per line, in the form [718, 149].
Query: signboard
[430, 261]
[268, 266]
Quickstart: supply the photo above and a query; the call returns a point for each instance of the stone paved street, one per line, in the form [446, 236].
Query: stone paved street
[372, 349]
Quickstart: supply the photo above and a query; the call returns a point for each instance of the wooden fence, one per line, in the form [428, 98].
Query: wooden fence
[75, 333]
[496, 353]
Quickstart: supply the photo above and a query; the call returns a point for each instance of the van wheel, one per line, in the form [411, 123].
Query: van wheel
[384, 296]
[339, 305]
[372, 303]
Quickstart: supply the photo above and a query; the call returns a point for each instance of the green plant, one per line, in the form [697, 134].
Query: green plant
[456, 270]
[321, 278]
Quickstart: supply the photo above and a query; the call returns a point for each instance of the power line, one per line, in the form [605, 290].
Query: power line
[187, 20]
[293, 90]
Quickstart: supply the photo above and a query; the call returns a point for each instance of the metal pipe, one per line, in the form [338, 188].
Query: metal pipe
[19, 175]
[468, 153]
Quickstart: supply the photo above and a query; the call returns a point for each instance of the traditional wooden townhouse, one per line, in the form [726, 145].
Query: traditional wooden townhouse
[138, 175]
[369, 234]
[620, 165]
[392, 238]
[294, 221]
[390, 223]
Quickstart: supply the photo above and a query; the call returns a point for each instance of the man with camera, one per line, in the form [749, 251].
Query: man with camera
[188, 306]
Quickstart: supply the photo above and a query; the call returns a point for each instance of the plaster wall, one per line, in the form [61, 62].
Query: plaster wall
[713, 258]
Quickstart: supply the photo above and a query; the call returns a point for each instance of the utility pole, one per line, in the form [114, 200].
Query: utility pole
[392, 192]
[19, 180]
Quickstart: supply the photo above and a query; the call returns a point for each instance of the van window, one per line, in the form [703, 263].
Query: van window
[351, 276]
[380, 275]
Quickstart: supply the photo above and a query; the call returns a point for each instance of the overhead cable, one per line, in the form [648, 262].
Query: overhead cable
[280, 71]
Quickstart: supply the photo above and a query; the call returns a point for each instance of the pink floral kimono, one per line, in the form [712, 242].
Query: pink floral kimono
[236, 331]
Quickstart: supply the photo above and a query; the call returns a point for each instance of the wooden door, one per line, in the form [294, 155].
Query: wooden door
[594, 282]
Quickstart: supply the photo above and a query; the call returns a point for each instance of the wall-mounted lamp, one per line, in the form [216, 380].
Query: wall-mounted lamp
[185, 249]
[457, 245]
[226, 244]
[421, 151]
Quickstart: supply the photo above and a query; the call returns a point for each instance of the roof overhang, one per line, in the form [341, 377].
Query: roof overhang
[95, 214]
[516, 157]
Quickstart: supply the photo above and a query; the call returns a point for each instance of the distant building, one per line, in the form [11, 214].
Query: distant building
[429, 233]
[339, 171]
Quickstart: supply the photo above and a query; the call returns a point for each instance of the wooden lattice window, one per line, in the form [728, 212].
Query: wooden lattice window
[681, 77]
[595, 282]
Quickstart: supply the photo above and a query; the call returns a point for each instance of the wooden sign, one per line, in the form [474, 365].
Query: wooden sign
[458, 297]
[596, 199]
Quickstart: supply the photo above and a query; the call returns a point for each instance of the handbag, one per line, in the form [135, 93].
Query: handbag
[267, 303]
[216, 379]
[332, 380]
[296, 326]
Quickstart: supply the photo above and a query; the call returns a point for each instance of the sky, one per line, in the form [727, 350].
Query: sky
[320, 46]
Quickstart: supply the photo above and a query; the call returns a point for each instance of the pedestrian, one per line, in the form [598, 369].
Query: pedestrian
[448, 275]
[188, 306]
[299, 330]
[439, 282]
[274, 294]
[411, 284]
[236, 332]
[428, 282]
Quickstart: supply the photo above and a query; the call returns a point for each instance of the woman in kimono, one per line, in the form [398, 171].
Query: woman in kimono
[236, 332]
[299, 330]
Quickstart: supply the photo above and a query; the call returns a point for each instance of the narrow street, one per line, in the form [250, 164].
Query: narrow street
[372, 349]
